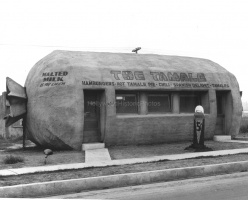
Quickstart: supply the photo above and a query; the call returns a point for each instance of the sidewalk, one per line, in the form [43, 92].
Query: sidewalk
[29, 170]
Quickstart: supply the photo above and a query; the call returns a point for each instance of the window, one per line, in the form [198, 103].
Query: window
[188, 102]
[158, 103]
[126, 103]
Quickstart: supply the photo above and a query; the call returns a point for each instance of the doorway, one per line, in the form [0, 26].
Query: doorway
[92, 111]
[220, 123]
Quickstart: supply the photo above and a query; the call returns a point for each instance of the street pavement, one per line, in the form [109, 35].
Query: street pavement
[221, 187]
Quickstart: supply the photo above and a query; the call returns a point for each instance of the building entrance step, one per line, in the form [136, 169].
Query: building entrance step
[90, 146]
[222, 137]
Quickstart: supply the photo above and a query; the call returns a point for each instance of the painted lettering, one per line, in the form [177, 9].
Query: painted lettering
[173, 77]
[191, 78]
[184, 77]
[162, 77]
[49, 79]
[155, 75]
[98, 83]
[53, 78]
[121, 84]
[59, 78]
[115, 73]
[220, 85]
[127, 75]
[201, 77]
[182, 85]
[151, 84]
[164, 84]
[63, 73]
[200, 85]
[136, 84]
[45, 74]
[47, 84]
[56, 84]
[139, 75]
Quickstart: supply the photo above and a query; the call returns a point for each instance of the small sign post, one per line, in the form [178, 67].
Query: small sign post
[199, 129]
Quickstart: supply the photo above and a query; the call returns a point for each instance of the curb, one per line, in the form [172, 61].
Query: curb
[120, 180]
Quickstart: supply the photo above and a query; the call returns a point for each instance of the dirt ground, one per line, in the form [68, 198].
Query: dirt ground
[123, 152]
[34, 156]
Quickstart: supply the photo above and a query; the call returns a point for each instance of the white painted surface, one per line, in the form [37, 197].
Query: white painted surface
[90, 146]
[222, 137]
[97, 155]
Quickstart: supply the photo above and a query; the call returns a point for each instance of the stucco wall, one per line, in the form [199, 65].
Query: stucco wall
[55, 116]
[150, 129]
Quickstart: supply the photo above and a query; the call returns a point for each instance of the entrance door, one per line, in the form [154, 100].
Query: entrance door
[220, 123]
[91, 117]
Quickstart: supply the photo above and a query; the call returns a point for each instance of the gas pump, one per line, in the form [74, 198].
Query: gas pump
[199, 128]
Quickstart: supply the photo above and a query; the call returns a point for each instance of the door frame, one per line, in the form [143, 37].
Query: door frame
[101, 111]
[222, 115]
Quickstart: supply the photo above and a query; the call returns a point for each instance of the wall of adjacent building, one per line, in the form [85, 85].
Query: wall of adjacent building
[12, 132]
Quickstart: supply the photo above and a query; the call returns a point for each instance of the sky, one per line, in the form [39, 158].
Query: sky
[213, 29]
